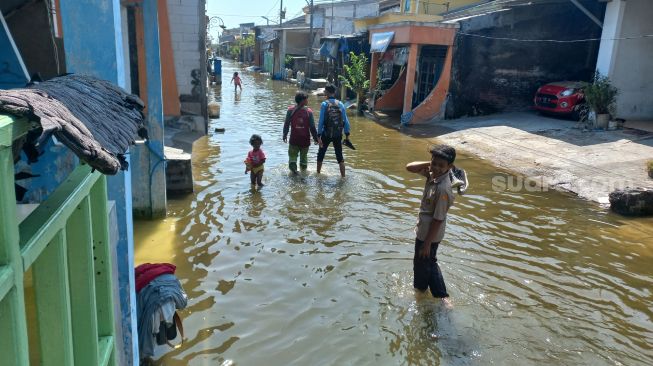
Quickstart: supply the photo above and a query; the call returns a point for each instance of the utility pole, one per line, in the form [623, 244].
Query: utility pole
[309, 56]
[281, 15]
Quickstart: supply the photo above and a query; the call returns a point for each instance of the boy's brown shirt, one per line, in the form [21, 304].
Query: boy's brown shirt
[436, 201]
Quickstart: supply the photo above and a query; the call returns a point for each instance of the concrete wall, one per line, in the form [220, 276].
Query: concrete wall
[184, 33]
[493, 75]
[297, 42]
[628, 61]
[171, 106]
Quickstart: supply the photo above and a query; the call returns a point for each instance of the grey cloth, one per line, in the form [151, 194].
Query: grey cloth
[97, 120]
[162, 289]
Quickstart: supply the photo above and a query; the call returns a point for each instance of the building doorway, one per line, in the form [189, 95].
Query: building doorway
[431, 63]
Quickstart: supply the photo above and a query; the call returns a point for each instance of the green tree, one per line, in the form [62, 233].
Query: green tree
[240, 45]
[355, 77]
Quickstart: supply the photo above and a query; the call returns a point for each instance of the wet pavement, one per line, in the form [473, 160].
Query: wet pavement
[317, 270]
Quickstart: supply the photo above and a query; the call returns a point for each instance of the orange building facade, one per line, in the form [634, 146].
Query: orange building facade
[420, 91]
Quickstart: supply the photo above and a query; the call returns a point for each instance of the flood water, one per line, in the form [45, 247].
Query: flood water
[317, 270]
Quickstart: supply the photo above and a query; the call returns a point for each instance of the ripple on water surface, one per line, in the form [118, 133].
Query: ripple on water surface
[315, 270]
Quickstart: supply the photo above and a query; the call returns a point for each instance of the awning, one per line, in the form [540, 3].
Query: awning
[381, 41]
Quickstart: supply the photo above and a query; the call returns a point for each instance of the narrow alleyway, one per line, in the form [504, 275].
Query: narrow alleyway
[317, 270]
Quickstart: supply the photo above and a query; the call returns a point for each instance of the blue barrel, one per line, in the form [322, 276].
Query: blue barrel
[217, 68]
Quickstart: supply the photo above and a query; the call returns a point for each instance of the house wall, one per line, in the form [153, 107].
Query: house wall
[297, 43]
[184, 33]
[435, 6]
[171, 105]
[492, 75]
[423, 35]
[339, 19]
[627, 62]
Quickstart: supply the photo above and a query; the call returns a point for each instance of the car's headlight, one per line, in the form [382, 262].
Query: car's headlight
[567, 92]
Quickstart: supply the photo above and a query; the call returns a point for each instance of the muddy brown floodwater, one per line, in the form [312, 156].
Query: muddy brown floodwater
[316, 270]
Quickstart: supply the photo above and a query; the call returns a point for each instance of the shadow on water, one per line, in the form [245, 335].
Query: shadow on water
[317, 270]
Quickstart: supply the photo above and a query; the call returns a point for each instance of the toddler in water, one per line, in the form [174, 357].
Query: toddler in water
[237, 82]
[255, 160]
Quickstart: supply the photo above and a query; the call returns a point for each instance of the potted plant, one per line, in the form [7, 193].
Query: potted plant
[601, 96]
[649, 167]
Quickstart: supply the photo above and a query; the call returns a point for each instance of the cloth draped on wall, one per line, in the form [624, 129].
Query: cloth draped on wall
[96, 119]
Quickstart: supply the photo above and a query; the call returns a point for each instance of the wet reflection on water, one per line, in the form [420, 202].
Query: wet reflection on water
[315, 270]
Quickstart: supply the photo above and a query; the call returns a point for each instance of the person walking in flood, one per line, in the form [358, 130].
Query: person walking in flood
[301, 124]
[333, 122]
[255, 160]
[431, 222]
[237, 82]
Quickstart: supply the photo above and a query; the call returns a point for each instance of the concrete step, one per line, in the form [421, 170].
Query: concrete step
[179, 171]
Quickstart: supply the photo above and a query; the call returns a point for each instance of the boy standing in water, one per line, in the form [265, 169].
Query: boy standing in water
[255, 160]
[333, 122]
[429, 231]
[300, 122]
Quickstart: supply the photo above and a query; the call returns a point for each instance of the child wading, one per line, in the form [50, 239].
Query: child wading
[237, 82]
[255, 160]
[436, 201]
[300, 122]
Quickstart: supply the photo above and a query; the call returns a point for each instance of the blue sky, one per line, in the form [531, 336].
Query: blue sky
[234, 12]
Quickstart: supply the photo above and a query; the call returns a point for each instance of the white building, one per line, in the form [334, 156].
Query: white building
[626, 56]
[338, 17]
[188, 37]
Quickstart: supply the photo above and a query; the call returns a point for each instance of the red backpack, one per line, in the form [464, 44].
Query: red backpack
[300, 132]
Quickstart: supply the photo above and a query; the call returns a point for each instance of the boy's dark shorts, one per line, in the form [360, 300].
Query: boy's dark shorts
[427, 273]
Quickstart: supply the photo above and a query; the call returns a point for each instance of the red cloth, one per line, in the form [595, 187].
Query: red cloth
[147, 272]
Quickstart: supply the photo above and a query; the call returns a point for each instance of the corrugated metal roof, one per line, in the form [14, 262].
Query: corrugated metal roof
[489, 7]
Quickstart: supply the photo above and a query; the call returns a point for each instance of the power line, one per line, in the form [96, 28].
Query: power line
[272, 8]
[555, 40]
[234, 15]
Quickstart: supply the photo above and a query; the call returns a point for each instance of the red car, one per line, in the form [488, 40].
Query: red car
[562, 98]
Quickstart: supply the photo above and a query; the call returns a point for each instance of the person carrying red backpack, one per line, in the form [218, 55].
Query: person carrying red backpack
[301, 124]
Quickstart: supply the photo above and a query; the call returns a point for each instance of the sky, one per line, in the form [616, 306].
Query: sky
[234, 12]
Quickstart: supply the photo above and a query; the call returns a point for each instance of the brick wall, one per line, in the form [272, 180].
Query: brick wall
[494, 75]
[184, 31]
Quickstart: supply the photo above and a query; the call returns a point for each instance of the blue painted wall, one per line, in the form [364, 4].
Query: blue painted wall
[156, 176]
[93, 42]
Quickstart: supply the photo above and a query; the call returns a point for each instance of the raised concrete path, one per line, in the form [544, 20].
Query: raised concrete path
[591, 164]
